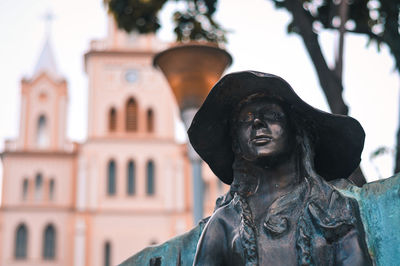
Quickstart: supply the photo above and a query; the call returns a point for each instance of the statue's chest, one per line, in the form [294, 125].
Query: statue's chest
[286, 249]
[291, 247]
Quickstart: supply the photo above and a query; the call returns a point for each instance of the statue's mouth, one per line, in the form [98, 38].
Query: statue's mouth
[261, 139]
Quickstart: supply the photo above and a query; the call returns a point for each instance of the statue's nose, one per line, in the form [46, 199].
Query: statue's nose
[258, 123]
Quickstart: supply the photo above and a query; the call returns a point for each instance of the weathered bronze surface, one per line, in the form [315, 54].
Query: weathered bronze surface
[290, 202]
[281, 209]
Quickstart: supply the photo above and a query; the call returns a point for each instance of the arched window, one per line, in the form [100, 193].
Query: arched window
[150, 184]
[42, 138]
[112, 120]
[21, 240]
[38, 186]
[49, 242]
[111, 182]
[25, 187]
[107, 254]
[131, 178]
[51, 189]
[131, 115]
[150, 120]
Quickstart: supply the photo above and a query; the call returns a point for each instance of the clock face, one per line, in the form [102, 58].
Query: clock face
[131, 76]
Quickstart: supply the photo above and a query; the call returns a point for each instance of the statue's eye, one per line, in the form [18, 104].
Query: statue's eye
[247, 117]
[273, 116]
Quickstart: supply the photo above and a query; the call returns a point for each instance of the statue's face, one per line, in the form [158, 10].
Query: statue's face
[262, 131]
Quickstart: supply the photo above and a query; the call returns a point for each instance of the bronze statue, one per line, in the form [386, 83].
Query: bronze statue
[285, 161]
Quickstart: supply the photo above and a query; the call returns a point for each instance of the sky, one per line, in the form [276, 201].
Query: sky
[257, 41]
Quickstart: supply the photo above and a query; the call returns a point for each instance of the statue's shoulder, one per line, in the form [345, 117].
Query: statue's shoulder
[226, 207]
[225, 216]
[181, 249]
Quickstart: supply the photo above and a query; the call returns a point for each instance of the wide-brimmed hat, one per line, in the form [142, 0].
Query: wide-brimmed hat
[339, 139]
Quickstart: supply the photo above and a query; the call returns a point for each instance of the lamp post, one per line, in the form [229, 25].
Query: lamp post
[191, 70]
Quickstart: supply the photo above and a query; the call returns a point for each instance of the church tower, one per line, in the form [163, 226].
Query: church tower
[43, 106]
[132, 174]
[38, 173]
[126, 187]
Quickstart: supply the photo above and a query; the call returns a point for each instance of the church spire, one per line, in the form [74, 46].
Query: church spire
[46, 62]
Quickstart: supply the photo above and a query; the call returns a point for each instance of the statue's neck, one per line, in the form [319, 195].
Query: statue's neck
[265, 183]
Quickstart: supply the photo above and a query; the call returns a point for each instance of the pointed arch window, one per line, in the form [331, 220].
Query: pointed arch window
[51, 189]
[112, 120]
[21, 240]
[107, 254]
[38, 186]
[25, 187]
[131, 115]
[42, 138]
[111, 178]
[150, 120]
[150, 179]
[131, 178]
[49, 242]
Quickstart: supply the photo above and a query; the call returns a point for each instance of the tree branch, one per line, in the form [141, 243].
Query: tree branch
[329, 81]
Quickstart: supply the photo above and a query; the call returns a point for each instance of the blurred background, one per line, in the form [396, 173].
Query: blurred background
[94, 159]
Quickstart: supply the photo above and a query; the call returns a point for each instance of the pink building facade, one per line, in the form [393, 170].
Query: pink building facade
[126, 187]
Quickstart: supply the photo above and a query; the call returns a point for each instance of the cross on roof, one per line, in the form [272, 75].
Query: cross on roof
[48, 17]
[46, 62]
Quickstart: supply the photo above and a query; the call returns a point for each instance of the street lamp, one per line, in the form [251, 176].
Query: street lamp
[191, 70]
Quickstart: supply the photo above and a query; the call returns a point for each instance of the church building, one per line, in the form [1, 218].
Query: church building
[127, 186]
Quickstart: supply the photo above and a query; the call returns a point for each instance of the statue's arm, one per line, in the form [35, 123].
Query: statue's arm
[212, 248]
[351, 250]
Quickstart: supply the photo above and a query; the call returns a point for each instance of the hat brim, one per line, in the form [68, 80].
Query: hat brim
[337, 147]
